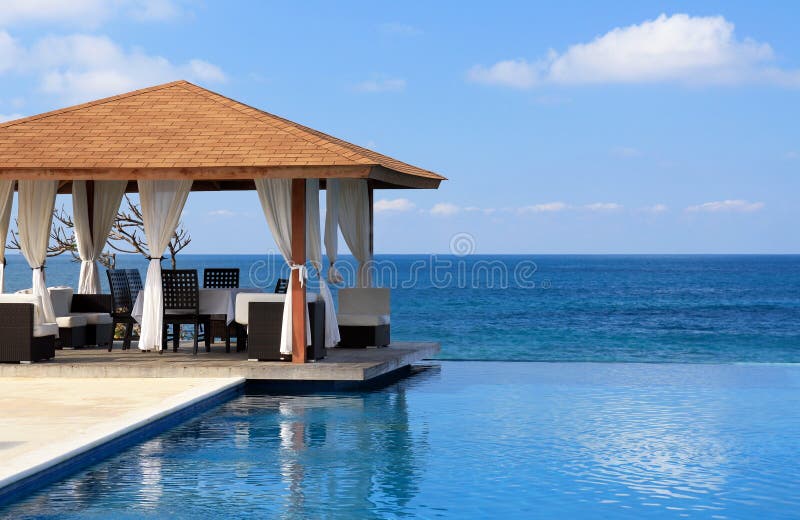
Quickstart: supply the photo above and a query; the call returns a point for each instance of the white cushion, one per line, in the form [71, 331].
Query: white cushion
[243, 303]
[38, 317]
[362, 320]
[25, 291]
[71, 321]
[45, 329]
[95, 318]
[370, 300]
[62, 299]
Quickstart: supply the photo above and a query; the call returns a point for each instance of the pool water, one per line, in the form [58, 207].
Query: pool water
[471, 440]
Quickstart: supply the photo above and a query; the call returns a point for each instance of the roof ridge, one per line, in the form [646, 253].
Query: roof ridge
[210, 94]
[96, 102]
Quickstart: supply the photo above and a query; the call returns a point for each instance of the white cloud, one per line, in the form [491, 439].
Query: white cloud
[678, 48]
[476, 209]
[444, 209]
[548, 207]
[393, 205]
[655, 209]
[626, 152]
[719, 206]
[9, 117]
[398, 29]
[221, 213]
[81, 67]
[603, 206]
[84, 13]
[381, 85]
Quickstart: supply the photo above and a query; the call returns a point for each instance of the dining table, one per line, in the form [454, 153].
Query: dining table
[212, 301]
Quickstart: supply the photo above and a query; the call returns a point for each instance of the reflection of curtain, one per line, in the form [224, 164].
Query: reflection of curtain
[162, 203]
[92, 239]
[276, 201]
[6, 200]
[332, 228]
[36, 202]
[315, 256]
[353, 211]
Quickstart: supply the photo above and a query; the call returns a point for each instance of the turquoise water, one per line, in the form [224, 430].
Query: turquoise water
[564, 307]
[471, 440]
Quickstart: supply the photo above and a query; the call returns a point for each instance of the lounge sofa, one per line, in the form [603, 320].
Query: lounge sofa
[24, 336]
[83, 319]
[364, 317]
[259, 317]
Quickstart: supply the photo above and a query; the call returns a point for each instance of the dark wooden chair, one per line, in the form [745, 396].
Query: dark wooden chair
[134, 282]
[281, 286]
[121, 305]
[221, 278]
[181, 294]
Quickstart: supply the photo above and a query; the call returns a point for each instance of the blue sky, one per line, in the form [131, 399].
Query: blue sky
[566, 127]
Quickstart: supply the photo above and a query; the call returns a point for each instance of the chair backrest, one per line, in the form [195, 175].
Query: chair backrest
[221, 278]
[134, 282]
[62, 300]
[281, 286]
[364, 300]
[120, 294]
[181, 289]
[36, 301]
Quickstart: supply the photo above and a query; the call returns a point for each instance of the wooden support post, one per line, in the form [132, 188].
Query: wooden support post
[298, 257]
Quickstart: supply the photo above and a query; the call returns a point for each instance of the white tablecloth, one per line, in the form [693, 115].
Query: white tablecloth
[212, 301]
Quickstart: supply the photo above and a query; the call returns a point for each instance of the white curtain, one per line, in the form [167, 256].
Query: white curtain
[332, 228]
[6, 200]
[353, 211]
[36, 202]
[162, 203]
[276, 201]
[314, 243]
[92, 239]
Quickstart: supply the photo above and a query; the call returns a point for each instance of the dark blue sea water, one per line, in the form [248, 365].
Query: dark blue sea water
[738, 308]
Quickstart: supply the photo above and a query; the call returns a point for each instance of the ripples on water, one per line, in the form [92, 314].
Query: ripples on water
[472, 440]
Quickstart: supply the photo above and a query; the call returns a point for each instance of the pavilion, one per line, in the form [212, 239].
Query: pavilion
[167, 140]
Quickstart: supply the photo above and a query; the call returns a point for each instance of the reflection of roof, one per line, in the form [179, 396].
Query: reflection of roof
[180, 130]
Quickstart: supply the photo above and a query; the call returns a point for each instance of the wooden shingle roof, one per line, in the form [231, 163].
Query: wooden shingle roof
[180, 130]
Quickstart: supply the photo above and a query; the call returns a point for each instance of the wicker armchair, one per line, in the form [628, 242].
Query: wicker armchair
[364, 317]
[222, 278]
[261, 316]
[24, 337]
[121, 305]
[181, 294]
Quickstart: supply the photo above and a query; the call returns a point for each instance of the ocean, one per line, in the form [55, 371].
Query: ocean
[614, 308]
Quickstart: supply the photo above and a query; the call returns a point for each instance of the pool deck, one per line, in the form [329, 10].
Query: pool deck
[343, 365]
[45, 422]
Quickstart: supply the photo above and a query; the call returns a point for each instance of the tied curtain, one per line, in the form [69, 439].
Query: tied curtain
[276, 201]
[92, 239]
[353, 209]
[6, 200]
[314, 246]
[332, 228]
[36, 202]
[162, 203]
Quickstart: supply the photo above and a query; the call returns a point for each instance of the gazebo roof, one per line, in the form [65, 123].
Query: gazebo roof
[179, 130]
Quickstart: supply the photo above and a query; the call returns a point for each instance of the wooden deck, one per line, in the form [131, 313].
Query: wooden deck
[345, 365]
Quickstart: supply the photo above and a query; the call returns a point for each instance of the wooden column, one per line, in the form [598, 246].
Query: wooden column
[298, 257]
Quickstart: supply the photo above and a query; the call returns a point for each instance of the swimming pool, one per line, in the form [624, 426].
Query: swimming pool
[471, 440]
